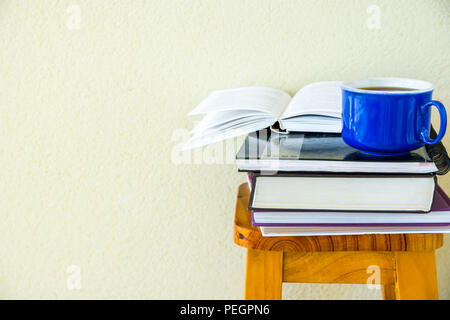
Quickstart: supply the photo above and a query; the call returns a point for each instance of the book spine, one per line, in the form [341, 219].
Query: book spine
[349, 225]
[249, 181]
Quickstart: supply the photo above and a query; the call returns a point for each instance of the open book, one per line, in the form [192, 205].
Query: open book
[234, 112]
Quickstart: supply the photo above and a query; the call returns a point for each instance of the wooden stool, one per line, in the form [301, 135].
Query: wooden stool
[406, 262]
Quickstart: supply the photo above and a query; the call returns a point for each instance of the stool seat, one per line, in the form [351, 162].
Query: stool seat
[388, 260]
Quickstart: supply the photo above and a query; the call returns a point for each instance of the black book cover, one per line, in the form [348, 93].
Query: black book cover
[267, 145]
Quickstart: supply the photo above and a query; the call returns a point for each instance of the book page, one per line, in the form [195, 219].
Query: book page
[320, 98]
[231, 126]
[262, 99]
[321, 231]
[214, 119]
[218, 134]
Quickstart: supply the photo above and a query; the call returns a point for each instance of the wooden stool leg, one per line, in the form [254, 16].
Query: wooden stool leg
[416, 277]
[264, 275]
[388, 291]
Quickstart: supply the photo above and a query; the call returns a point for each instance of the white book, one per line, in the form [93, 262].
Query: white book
[234, 112]
[364, 193]
[330, 231]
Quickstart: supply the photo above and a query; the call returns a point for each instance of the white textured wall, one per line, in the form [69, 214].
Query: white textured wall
[87, 117]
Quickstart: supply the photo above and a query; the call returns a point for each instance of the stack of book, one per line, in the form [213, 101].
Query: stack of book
[315, 184]
[308, 181]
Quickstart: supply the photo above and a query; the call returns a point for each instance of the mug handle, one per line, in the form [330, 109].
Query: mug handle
[425, 134]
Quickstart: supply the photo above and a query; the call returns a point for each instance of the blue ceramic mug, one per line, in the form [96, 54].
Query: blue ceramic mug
[389, 116]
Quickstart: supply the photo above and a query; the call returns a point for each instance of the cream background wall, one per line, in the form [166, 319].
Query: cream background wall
[93, 104]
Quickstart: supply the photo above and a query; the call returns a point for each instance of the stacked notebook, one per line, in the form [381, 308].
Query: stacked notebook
[315, 184]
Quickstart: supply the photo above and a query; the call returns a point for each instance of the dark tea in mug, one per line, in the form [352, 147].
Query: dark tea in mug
[387, 89]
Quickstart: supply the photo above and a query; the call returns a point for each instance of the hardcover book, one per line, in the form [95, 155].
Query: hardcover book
[342, 192]
[266, 150]
[439, 216]
[332, 231]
